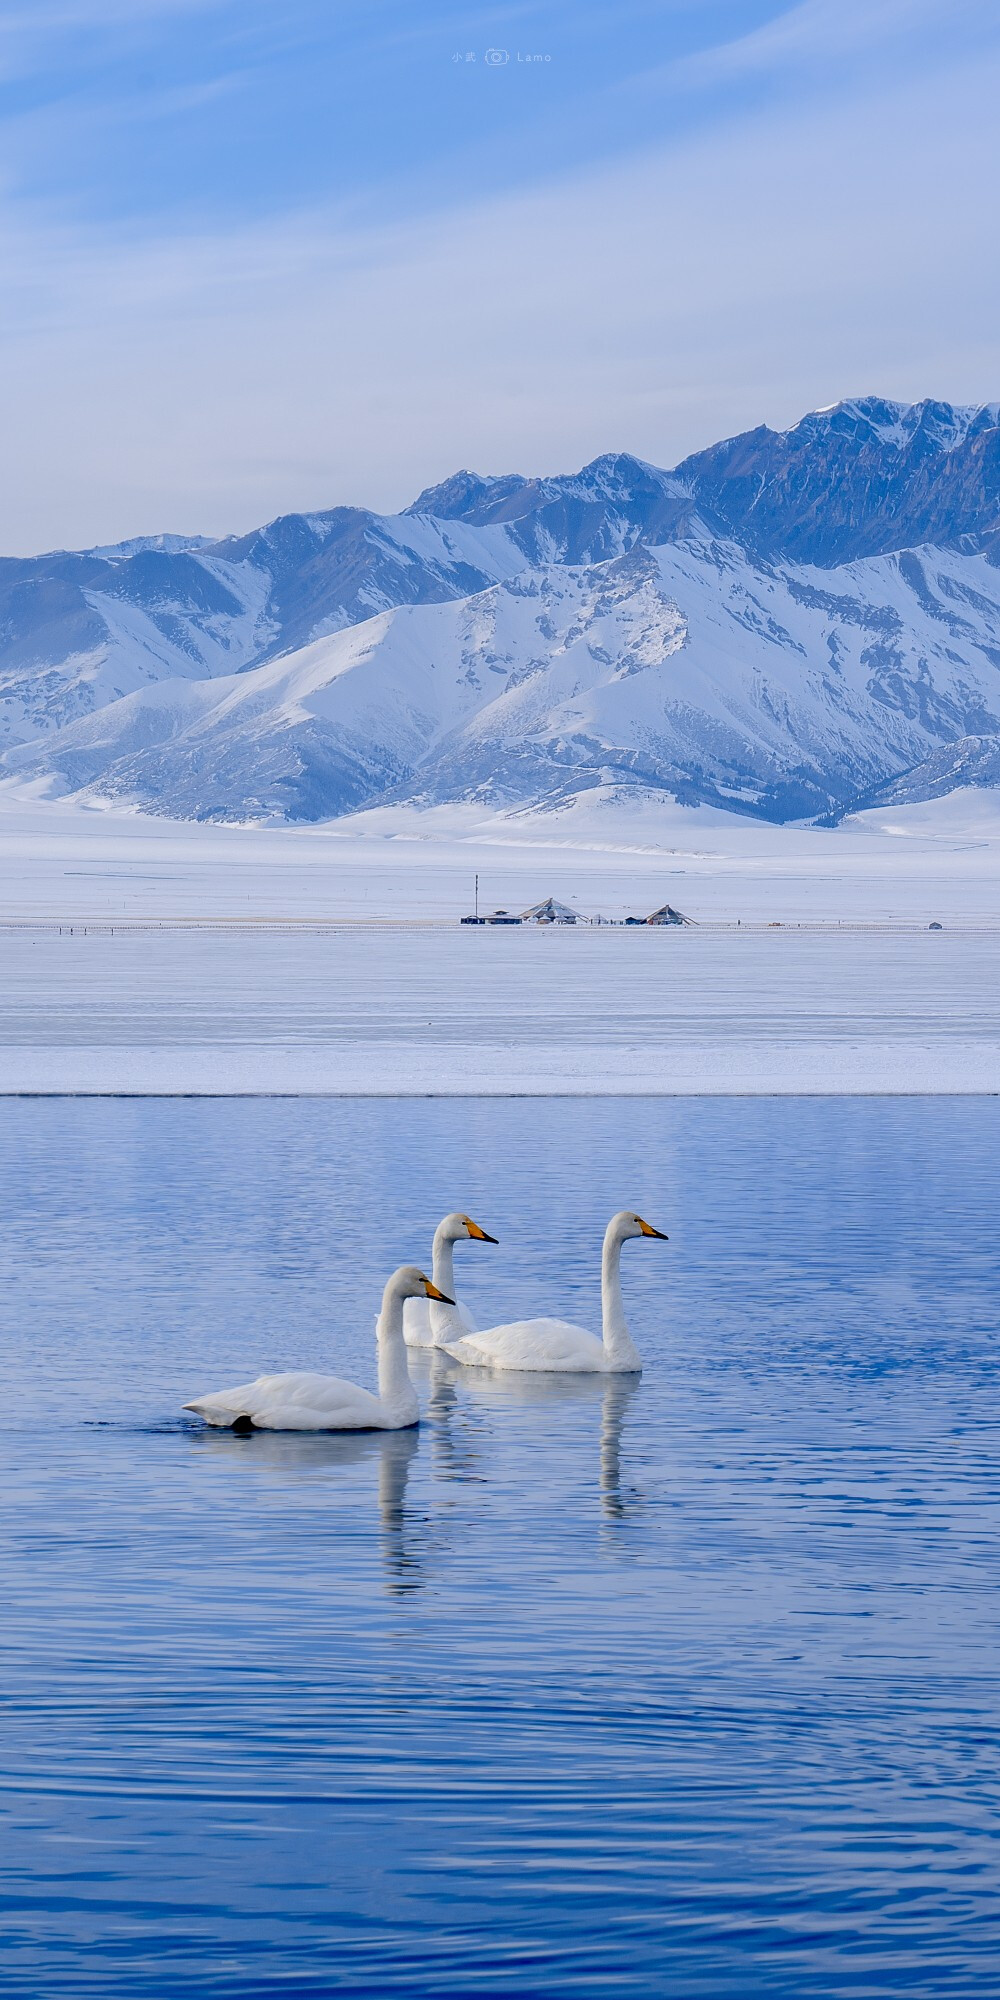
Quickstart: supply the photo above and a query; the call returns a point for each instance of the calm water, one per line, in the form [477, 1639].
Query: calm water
[683, 1689]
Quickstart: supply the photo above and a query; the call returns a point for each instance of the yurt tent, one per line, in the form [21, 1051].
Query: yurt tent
[550, 912]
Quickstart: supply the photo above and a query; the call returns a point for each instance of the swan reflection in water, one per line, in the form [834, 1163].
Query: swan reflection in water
[300, 1456]
[452, 1387]
[396, 1450]
[618, 1393]
[456, 1400]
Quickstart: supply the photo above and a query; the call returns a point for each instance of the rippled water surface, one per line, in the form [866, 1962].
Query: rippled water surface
[688, 1687]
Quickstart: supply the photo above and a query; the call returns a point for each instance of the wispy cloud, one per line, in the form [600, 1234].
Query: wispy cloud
[48, 15]
[738, 253]
[210, 380]
[817, 30]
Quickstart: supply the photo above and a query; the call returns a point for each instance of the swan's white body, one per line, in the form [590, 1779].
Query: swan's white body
[553, 1346]
[418, 1323]
[556, 1346]
[430, 1322]
[302, 1402]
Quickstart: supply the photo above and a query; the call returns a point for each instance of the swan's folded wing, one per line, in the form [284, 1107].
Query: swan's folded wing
[294, 1402]
[316, 1403]
[536, 1344]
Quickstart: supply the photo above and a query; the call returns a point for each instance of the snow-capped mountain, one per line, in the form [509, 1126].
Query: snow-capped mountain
[973, 761]
[783, 625]
[78, 631]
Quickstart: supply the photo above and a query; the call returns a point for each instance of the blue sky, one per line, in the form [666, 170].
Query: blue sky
[263, 257]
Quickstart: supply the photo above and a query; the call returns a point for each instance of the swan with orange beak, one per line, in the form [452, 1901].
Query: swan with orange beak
[302, 1402]
[432, 1325]
[556, 1346]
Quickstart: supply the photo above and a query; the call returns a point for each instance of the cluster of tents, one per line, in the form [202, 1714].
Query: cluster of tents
[553, 912]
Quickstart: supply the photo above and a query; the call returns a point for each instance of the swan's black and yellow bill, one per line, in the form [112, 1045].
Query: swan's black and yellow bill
[648, 1230]
[475, 1231]
[433, 1293]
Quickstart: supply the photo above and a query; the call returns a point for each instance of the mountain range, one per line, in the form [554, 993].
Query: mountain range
[791, 624]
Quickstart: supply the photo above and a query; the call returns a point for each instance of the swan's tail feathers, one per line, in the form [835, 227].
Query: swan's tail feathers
[220, 1410]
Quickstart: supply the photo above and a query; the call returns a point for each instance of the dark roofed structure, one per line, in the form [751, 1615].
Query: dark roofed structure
[666, 914]
[549, 912]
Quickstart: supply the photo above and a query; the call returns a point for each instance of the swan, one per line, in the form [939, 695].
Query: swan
[301, 1402]
[427, 1325]
[554, 1345]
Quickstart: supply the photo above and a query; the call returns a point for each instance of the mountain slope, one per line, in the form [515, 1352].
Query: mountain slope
[77, 631]
[785, 690]
[806, 616]
[970, 762]
[865, 478]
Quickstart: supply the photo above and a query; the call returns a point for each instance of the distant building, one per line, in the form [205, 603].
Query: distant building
[666, 914]
[549, 912]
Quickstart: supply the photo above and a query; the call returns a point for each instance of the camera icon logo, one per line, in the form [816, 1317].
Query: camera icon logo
[497, 57]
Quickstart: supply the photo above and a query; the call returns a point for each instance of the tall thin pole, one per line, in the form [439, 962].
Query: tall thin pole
[477, 895]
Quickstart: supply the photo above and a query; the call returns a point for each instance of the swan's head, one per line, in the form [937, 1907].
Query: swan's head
[458, 1228]
[409, 1283]
[626, 1224]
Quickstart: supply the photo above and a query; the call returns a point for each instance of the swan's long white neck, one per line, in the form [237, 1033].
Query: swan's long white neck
[443, 1267]
[446, 1321]
[618, 1343]
[394, 1385]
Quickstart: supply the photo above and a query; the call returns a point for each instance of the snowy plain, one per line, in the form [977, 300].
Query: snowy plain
[140, 955]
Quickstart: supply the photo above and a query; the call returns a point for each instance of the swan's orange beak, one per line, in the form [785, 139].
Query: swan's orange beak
[648, 1230]
[474, 1230]
[433, 1293]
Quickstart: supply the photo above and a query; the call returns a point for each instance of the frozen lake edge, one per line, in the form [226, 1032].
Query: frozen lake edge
[444, 1013]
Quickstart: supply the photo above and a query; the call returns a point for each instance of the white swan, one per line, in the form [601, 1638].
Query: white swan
[301, 1402]
[554, 1345]
[430, 1325]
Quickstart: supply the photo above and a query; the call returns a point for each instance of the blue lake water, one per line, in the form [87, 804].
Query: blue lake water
[681, 1688]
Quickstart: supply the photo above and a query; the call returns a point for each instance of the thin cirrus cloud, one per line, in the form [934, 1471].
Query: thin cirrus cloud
[816, 30]
[368, 102]
[774, 254]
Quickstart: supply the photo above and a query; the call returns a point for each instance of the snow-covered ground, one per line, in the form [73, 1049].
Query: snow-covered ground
[914, 864]
[141, 955]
